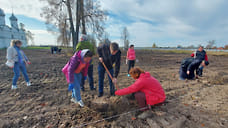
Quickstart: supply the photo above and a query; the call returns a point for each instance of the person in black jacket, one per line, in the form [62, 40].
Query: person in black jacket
[189, 66]
[201, 55]
[109, 54]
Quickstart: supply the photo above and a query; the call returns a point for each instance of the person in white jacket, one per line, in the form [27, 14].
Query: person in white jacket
[17, 60]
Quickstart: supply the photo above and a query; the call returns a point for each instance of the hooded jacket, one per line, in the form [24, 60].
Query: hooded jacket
[73, 64]
[131, 54]
[149, 86]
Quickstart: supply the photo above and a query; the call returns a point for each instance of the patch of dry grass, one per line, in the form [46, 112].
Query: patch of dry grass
[217, 53]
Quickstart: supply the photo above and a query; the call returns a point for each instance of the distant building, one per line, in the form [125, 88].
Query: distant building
[8, 33]
[220, 48]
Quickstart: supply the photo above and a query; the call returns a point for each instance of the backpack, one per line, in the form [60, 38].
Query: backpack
[185, 62]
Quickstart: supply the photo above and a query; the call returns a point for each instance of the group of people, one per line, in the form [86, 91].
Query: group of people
[55, 49]
[195, 63]
[147, 90]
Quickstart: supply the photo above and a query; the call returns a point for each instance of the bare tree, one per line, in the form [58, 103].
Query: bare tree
[82, 17]
[30, 37]
[92, 39]
[28, 34]
[154, 45]
[226, 47]
[57, 13]
[64, 36]
[94, 17]
[74, 35]
[22, 26]
[88, 16]
[125, 37]
[210, 44]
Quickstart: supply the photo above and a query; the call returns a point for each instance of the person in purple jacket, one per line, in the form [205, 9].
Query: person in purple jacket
[74, 70]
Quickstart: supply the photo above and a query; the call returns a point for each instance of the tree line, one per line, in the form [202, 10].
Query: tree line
[68, 18]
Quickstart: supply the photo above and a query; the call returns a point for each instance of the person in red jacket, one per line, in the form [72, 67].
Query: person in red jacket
[130, 58]
[147, 90]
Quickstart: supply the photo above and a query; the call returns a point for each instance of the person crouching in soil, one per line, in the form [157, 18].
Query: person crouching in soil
[17, 60]
[189, 66]
[74, 70]
[147, 90]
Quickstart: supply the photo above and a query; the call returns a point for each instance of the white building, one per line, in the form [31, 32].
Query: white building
[9, 33]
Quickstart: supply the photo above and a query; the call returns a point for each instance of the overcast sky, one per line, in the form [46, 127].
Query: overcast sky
[165, 22]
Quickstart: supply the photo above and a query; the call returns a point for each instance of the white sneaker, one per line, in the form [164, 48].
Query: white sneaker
[28, 84]
[74, 100]
[14, 87]
[81, 103]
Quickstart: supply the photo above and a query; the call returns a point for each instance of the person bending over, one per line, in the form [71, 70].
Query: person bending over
[74, 70]
[109, 54]
[189, 66]
[86, 44]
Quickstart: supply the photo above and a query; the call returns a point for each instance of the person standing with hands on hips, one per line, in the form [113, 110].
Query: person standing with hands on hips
[109, 54]
[17, 60]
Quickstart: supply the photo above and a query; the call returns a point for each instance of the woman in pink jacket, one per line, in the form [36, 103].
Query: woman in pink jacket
[74, 70]
[130, 58]
[147, 90]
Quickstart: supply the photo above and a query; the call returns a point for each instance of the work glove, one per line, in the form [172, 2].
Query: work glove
[85, 77]
[70, 87]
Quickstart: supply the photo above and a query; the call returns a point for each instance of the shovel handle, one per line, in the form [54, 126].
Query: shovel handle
[110, 75]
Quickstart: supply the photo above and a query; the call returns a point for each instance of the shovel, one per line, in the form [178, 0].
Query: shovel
[110, 75]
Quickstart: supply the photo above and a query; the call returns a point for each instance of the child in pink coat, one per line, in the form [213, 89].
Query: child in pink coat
[74, 70]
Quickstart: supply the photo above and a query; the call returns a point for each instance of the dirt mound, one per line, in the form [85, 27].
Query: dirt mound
[189, 104]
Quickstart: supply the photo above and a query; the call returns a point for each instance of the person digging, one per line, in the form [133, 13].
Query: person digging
[109, 54]
[147, 90]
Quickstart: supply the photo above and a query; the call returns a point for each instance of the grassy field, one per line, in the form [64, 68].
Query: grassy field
[37, 47]
[218, 53]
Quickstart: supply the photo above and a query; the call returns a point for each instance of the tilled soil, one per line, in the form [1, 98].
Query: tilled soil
[190, 104]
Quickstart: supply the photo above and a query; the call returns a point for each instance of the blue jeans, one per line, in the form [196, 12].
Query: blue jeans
[16, 69]
[90, 78]
[101, 72]
[76, 90]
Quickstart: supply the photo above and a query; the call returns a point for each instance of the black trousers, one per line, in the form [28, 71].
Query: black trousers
[131, 64]
[90, 78]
